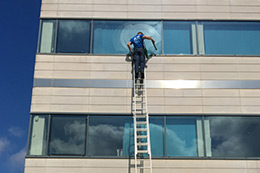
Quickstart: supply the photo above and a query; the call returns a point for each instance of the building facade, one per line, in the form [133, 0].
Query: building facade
[203, 86]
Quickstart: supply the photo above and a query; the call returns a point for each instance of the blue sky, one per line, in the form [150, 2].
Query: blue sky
[19, 23]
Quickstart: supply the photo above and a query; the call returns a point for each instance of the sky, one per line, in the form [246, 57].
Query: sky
[19, 25]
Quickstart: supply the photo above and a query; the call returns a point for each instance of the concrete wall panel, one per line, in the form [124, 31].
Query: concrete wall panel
[123, 165]
[156, 9]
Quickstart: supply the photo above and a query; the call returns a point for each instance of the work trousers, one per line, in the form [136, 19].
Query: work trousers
[139, 60]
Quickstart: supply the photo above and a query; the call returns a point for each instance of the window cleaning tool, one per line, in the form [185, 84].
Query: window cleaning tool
[154, 46]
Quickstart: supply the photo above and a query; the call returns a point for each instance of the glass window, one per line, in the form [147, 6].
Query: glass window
[181, 136]
[110, 136]
[233, 136]
[157, 135]
[179, 37]
[111, 37]
[231, 38]
[73, 36]
[38, 138]
[68, 135]
[47, 40]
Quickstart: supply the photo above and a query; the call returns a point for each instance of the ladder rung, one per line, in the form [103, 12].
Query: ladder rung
[141, 129]
[143, 137]
[142, 144]
[142, 151]
[140, 96]
[141, 116]
[140, 102]
[141, 122]
[140, 109]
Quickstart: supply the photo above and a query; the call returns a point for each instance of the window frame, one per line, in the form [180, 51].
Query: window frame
[86, 155]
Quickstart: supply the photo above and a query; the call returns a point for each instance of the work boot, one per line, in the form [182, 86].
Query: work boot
[142, 75]
[142, 78]
[136, 75]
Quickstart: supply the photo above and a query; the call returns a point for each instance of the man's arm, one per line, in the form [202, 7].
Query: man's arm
[129, 47]
[148, 38]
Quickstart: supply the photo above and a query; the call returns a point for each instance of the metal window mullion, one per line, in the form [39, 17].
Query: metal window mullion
[39, 36]
[203, 136]
[86, 140]
[165, 144]
[29, 136]
[56, 36]
[91, 36]
[162, 38]
[48, 134]
[197, 37]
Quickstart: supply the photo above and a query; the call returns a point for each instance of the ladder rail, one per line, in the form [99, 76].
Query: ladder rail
[134, 117]
[138, 129]
[148, 126]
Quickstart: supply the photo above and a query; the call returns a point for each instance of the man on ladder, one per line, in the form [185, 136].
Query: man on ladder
[139, 103]
[139, 53]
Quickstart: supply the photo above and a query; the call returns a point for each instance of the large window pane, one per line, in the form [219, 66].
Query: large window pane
[73, 36]
[233, 136]
[110, 136]
[38, 138]
[157, 135]
[231, 38]
[181, 136]
[179, 37]
[47, 40]
[68, 135]
[111, 37]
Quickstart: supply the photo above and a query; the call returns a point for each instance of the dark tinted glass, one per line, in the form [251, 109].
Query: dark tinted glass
[242, 38]
[110, 136]
[68, 135]
[178, 37]
[73, 36]
[234, 137]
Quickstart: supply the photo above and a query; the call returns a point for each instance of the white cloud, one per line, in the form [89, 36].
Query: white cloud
[3, 144]
[17, 160]
[16, 131]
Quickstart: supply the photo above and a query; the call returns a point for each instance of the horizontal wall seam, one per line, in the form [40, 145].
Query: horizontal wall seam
[164, 4]
[160, 11]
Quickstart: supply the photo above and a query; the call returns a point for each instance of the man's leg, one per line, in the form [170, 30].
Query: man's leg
[136, 61]
[142, 63]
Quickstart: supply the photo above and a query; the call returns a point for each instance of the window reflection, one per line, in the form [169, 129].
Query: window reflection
[233, 38]
[157, 135]
[181, 136]
[111, 37]
[68, 135]
[234, 136]
[179, 37]
[73, 36]
[110, 136]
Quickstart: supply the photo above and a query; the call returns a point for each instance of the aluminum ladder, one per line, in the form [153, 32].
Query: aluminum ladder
[143, 155]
